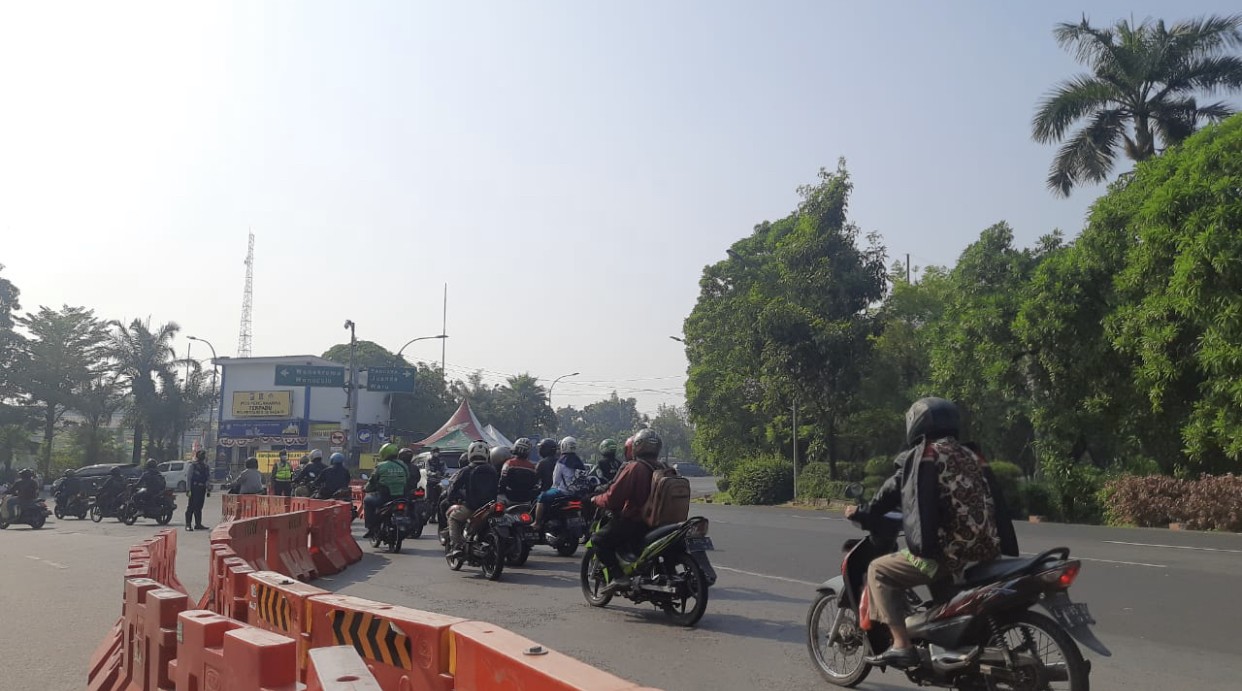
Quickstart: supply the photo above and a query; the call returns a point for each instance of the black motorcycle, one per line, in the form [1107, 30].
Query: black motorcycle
[520, 520]
[394, 523]
[981, 634]
[110, 507]
[78, 505]
[33, 514]
[146, 504]
[488, 539]
[564, 526]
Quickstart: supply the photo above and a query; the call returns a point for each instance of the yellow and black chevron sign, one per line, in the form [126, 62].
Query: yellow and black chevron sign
[375, 638]
[273, 608]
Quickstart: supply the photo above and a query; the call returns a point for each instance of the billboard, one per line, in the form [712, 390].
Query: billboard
[262, 404]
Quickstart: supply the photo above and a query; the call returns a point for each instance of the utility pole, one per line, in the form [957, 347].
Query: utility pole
[795, 446]
[210, 436]
[907, 267]
[351, 396]
[444, 330]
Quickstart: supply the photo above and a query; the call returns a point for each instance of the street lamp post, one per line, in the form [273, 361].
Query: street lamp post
[211, 412]
[678, 339]
[553, 386]
[392, 400]
[416, 340]
[351, 389]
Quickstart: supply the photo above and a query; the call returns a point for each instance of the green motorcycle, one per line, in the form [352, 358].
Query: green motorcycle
[668, 568]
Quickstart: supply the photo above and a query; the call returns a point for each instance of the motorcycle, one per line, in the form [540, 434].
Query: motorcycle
[668, 568]
[394, 523]
[563, 525]
[488, 539]
[420, 511]
[161, 508]
[33, 514]
[346, 494]
[520, 521]
[980, 634]
[78, 505]
[103, 507]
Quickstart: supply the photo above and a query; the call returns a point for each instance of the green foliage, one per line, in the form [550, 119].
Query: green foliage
[1009, 476]
[613, 418]
[673, 425]
[1037, 499]
[723, 484]
[762, 480]
[815, 482]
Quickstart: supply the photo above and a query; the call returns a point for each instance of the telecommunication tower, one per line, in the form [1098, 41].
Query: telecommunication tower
[244, 336]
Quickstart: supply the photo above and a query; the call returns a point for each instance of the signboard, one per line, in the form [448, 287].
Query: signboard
[268, 459]
[395, 379]
[337, 438]
[323, 431]
[262, 428]
[309, 375]
[364, 436]
[265, 404]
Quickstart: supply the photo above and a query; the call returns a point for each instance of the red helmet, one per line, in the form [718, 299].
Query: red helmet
[629, 449]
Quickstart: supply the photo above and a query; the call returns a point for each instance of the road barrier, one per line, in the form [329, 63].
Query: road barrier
[264, 630]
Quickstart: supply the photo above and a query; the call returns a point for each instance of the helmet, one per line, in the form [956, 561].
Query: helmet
[608, 447]
[629, 449]
[115, 472]
[26, 473]
[521, 447]
[317, 455]
[200, 455]
[569, 445]
[152, 465]
[647, 444]
[478, 451]
[500, 454]
[406, 454]
[435, 451]
[547, 447]
[337, 459]
[387, 451]
[932, 418]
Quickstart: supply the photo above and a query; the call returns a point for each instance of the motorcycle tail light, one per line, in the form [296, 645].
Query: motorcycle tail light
[573, 505]
[698, 529]
[526, 518]
[401, 506]
[1062, 577]
[500, 508]
[420, 493]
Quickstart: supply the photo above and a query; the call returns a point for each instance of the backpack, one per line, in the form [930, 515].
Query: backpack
[669, 501]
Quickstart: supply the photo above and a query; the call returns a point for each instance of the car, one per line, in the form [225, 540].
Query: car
[176, 474]
[690, 470]
[92, 477]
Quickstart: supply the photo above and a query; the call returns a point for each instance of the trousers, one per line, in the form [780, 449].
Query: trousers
[888, 579]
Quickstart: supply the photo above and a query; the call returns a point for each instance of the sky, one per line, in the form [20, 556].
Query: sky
[568, 169]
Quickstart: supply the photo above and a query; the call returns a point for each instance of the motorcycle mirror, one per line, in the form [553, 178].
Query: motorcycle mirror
[854, 490]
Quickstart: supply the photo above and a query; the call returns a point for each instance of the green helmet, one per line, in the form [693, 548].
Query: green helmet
[388, 451]
[608, 447]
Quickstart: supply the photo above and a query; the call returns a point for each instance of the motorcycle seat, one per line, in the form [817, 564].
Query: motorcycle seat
[660, 532]
[998, 569]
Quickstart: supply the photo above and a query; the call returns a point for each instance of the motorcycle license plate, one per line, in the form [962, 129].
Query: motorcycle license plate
[699, 544]
[574, 522]
[1072, 615]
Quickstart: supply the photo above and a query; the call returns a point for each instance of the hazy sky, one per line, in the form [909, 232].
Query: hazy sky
[567, 164]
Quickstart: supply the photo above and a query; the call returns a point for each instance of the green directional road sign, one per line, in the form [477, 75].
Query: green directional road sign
[395, 379]
[309, 375]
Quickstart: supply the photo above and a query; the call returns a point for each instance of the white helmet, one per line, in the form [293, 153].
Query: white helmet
[478, 451]
[569, 445]
[317, 454]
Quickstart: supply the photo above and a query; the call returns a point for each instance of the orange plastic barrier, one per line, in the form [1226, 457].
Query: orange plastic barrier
[162, 550]
[482, 655]
[339, 669]
[280, 605]
[230, 509]
[150, 631]
[404, 648]
[324, 552]
[248, 538]
[288, 545]
[215, 652]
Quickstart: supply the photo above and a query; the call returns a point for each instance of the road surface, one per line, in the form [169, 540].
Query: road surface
[1167, 602]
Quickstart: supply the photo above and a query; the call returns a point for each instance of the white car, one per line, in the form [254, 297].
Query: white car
[176, 474]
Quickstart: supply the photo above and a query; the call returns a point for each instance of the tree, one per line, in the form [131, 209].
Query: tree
[366, 354]
[14, 439]
[1141, 89]
[66, 350]
[673, 425]
[11, 355]
[520, 407]
[97, 400]
[612, 418]
[144, 360]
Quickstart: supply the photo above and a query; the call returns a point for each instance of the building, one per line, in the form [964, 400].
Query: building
[293, 403]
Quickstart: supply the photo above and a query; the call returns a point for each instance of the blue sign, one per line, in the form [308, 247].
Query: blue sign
[309, 375]
[262, 428]
[395, 379]
[364, 436]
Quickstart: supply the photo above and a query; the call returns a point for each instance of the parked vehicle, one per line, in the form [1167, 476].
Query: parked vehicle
[668, 567]
[980, 634]
[92, 477]
[176, 474]
[690, 470]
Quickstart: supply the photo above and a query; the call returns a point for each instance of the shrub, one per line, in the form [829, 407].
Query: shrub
[722, 483]
[762, 480]
[814, 482]
[1009, 476]
[1209, 503]
[1036, 498]
[880, 465]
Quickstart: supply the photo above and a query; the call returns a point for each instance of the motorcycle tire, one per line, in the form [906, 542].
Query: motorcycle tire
[1076, 668]
[58, 512]
[129, 516]
[494, 560]
[394, 545]
[38, 521]
[165, 518]
[96, 513]
[377, 539]
[519, 558]
[416, 530]
[819, 618]
[82, 515]
[697, 580]
[3, 524]
[568, 545]
[592, 578]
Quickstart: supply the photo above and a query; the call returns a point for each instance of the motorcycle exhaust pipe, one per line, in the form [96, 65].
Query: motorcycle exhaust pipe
[944, 660]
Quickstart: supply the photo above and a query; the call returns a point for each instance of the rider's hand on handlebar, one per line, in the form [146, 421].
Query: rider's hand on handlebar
[850, 511]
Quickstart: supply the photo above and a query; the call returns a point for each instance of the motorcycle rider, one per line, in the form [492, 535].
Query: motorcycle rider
[282, 476]
[334, 478]
[22, 493]
[953, 514]
[110, 490]
[473, 487]
[307, 474]
[546, 466]
[629, 449]
[563, 475]
[625, 498]
[609, 465]
[498, 456]
[150, 487]
[200, 476]
[250, 481]
[70, 487]
[435, 464]
[389, 480]
[415, 473]
[518, 480]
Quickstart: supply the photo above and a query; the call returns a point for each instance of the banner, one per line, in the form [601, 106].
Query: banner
[323, 431]
[263, 428]
[264, 404]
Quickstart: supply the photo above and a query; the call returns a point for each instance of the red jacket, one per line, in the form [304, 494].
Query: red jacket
[629, 492]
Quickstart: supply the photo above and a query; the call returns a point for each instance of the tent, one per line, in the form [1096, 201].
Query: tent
[461, 429]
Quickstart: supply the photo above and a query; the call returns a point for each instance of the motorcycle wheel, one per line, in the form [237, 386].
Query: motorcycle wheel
[394, 545]
[129, 515]
[680, 610]
[58, 512]
[96, 513]
[38, 521]
[454, 564]
[165, 518]
[3, 523]
[568, 545]
[843, 663]
[494, 556]
[592, 578]
[377, 539]
[519, 558]
[1034, 634]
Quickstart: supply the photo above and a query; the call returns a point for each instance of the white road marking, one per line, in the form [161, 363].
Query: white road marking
[795, 581]
[818, 518]
[45, 561]
[1196, 549]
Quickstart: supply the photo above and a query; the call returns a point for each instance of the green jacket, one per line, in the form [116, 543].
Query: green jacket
[391, 474]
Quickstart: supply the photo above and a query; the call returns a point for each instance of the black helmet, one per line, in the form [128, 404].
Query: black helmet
[252, 462]
[201, 455]
[26, 473]
[647, 444]
[152, 464]
[932, 418]
[547, 447]
[406, 455]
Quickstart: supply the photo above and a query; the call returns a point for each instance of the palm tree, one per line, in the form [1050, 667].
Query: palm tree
[1141, 88]
[143, 359]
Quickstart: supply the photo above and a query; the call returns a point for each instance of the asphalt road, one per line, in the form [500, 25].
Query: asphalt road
[1167, 602]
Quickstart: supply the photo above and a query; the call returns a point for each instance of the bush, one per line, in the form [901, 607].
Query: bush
[880, 465]
[814, 482]
[722, 483]
[763, 480]
[1036, 498]
[1209, 503]
[1009, 476]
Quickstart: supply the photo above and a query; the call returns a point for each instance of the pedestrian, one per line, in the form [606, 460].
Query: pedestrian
[282, 476]
[199, 489]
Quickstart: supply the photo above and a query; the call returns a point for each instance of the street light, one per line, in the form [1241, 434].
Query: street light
[210, 411]
[351, 390]
[553, 386]
[416, 340]
[678, 339]
[391, 401]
